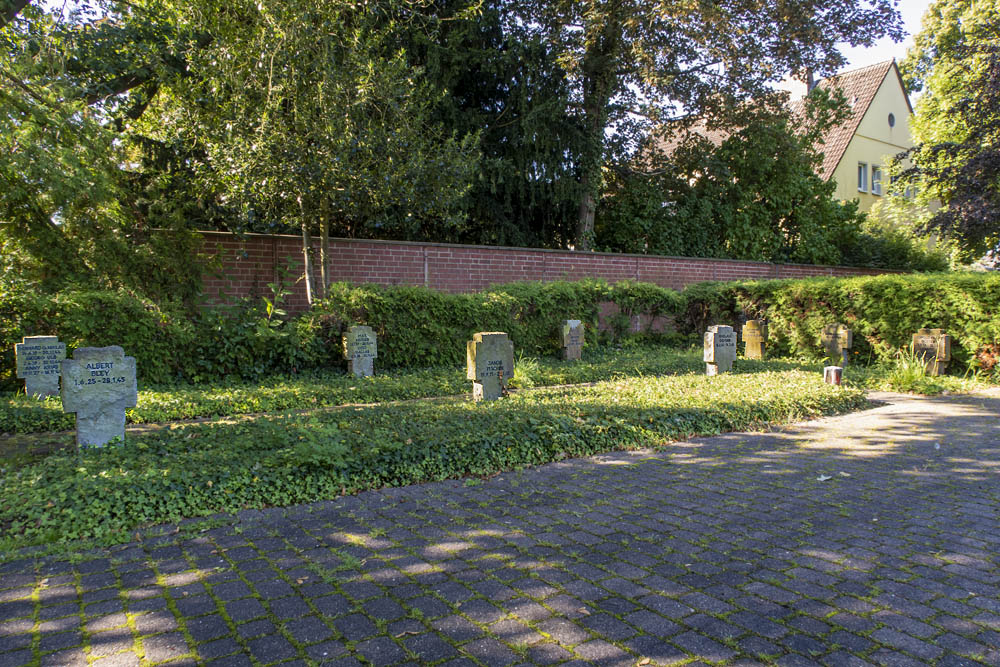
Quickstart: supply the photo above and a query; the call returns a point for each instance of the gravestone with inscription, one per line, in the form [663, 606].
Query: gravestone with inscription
[38, 360]
[572, 339]
[837, 339]
[933, 346]
[755, 339]
[360, 350]
[98, 385]
[720, 349]
[489, 362]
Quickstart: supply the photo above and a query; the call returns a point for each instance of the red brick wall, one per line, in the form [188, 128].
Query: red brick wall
[253, 262]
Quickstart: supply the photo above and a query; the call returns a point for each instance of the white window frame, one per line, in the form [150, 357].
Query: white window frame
[862, 177]
[876, 179]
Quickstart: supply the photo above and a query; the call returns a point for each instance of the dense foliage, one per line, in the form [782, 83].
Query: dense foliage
[883, 311]
[198, 470]
[490, 122]
[956, 161]
[417, 327]
[330, 388]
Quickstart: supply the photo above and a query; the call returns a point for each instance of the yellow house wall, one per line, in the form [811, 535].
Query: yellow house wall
[874, 141]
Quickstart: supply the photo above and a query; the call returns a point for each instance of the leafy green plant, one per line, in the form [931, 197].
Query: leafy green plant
[201, 469]
[526, 372]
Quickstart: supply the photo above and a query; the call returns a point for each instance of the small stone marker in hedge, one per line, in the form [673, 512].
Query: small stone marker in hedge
[572, 339]
[755, 339]
[837, 339]
[720, 349]
[38, 359]
[489, 361]
[933, 346]
[98, 385]
[360, 350]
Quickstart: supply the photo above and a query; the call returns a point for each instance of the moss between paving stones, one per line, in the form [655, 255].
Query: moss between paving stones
[199, 469]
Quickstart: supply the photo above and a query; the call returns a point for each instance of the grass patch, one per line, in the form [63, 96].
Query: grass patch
[196, 470]
[21, 414]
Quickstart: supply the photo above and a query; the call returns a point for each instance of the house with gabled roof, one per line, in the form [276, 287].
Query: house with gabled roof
[856, 151]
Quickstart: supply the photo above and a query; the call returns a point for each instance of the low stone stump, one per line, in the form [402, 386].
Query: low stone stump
[99, 384]
[572, 340]
[755, 339]
[489, 363]
[720, 349]
[837, 339]
[933, 347]
[38, 359]
[360, 350]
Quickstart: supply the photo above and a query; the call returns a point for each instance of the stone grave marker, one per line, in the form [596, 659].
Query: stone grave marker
[720, 349]
[572, 339]
[38, 359]
[837, 339]
[489, 361]
[360, 350]
[933, 346]
[755, 339]
[98, 385]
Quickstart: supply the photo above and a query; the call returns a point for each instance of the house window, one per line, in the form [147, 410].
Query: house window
[876, 180]
[862, 177]
[892, 120]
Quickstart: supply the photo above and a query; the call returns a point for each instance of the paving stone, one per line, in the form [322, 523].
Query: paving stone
[244, 610]
[16, 658]
[261, 626]
[204, 628]
[159, 648]
[54, 642]
[308, 630]
[289, 608]
[456, 628]
[381, 651]
[702, 647]
[547, 653]
[217, 648]
[428, 647]
[490, 652]
[271, 648]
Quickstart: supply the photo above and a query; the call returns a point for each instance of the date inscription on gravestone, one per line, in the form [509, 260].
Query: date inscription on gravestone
[720, 349]
[99, 384]
[360, 350]
[38, 359]
[489, 363]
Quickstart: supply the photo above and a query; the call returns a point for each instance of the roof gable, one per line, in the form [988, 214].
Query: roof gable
[859, 87]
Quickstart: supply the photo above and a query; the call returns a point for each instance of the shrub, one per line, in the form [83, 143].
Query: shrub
[884, 311]
[419, 327]
[158, 336]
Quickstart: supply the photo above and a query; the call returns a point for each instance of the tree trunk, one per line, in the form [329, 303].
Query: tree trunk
[599, 76]
[307, 255]
[324, 247]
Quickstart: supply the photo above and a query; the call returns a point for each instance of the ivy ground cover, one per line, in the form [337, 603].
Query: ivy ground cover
[194, 470]
[21, 414]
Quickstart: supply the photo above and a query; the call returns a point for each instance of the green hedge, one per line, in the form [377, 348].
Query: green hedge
[420, 327]
[883, 311]
[417, 327]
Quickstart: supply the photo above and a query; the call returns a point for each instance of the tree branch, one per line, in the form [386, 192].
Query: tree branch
[9, 9]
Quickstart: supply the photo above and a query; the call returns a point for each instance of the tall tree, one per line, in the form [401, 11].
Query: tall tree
[308, 113]
[635, 62]
[956, 62]
[505, 84]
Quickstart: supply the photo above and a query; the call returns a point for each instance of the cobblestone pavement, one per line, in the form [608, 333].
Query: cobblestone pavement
[869, 538]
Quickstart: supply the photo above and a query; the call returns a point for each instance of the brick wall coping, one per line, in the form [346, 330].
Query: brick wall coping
[578, 253]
